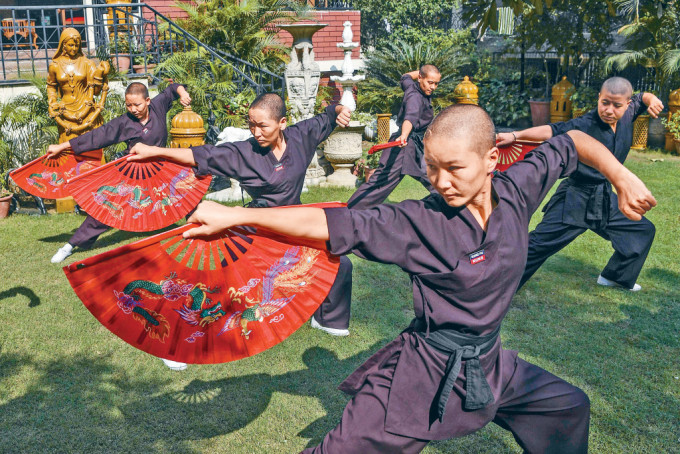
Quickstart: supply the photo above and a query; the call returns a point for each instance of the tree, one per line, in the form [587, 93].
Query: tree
[652, 38]
[385, 20]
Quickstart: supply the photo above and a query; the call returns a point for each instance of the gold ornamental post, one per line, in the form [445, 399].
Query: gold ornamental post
[466, 92]
[560, 104]
[187, 129]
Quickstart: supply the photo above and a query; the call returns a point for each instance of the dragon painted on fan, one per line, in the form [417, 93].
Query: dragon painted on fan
[103, 194]
[197, 309]
[52, 178]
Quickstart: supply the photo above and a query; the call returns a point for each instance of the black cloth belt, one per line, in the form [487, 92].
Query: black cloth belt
[461, 347]
[597, 207]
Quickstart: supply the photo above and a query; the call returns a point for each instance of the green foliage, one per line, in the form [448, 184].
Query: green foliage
[651, 39]
[210, 86]
[584, 98]
[503, 101]
[26, 129]
[121, 44]
[673, 125]
[384, 20]
[245, 29]
[381, 92]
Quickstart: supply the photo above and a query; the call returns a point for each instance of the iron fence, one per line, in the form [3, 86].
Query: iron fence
[133, 35]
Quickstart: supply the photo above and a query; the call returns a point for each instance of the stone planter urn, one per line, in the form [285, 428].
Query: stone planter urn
[342, 149]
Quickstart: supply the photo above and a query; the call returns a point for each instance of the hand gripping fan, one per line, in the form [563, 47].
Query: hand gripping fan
[509, 154]
[138, 196]
[206, 301]
[382, 146]
[46, 177]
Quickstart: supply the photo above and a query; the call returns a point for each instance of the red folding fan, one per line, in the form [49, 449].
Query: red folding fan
[46, 177]
[205, 301]
[138, 196]
[382, 146]
[509, 154]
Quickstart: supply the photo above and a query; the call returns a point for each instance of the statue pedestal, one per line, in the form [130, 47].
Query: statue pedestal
[343, 148]
[231, 194]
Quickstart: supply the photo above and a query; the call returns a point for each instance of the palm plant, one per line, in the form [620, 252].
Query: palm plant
[651, 38]
[384, 67]
[244, 29]
[26, 129]
[210, 85]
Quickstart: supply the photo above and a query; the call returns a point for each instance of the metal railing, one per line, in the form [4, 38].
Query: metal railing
[126, 33]
[332, 4]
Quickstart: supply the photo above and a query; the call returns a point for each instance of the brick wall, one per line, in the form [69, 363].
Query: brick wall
[325, 40]
[166, 8]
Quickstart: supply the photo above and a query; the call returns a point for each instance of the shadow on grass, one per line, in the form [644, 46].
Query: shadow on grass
[25, 291]
[86, 405]
[621, 347]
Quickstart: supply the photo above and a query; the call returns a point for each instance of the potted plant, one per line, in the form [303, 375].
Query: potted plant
[5, 199]
[119, 50]
[583, 100]
[539, 103]
[673, 126]
[143, 63]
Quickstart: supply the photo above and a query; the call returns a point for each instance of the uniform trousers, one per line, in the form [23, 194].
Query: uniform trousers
[387, 177]
[631, 241]
[544, 413]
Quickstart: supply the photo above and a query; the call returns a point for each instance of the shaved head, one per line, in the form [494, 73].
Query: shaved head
[618, 86]
[426, 70]
[272, 103]
[137, 88]
[464, 123]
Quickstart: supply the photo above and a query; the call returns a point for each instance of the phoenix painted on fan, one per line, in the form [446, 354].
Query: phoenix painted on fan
[290, 273]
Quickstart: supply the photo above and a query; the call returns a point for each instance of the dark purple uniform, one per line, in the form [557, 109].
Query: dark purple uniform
[397, 162]
[463, 282]
[585, 201]
[271, 182]
[128, 129]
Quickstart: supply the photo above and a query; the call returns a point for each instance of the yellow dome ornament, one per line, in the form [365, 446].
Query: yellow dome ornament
[466, 92]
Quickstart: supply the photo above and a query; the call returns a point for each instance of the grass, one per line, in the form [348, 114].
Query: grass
[68, 385]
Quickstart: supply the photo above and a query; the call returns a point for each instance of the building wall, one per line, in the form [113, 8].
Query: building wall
[166, 8]
[324, 40]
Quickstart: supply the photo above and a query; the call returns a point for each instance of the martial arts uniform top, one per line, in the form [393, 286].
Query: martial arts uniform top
[587, 192]
[127, 128]
[463, 279]
[416, 107]
[266, 179]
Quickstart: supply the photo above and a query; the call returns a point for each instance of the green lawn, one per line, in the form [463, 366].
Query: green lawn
[68, 385]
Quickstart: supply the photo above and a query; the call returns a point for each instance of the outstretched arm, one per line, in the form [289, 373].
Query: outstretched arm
[634, 197]
[141, 152]
[536, 134]
[301, 222]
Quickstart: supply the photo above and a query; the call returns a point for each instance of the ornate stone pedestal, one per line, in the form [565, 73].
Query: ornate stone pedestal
[343, 148]
[233, 193]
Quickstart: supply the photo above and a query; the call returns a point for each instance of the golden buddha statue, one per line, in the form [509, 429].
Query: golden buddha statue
[73, 81]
